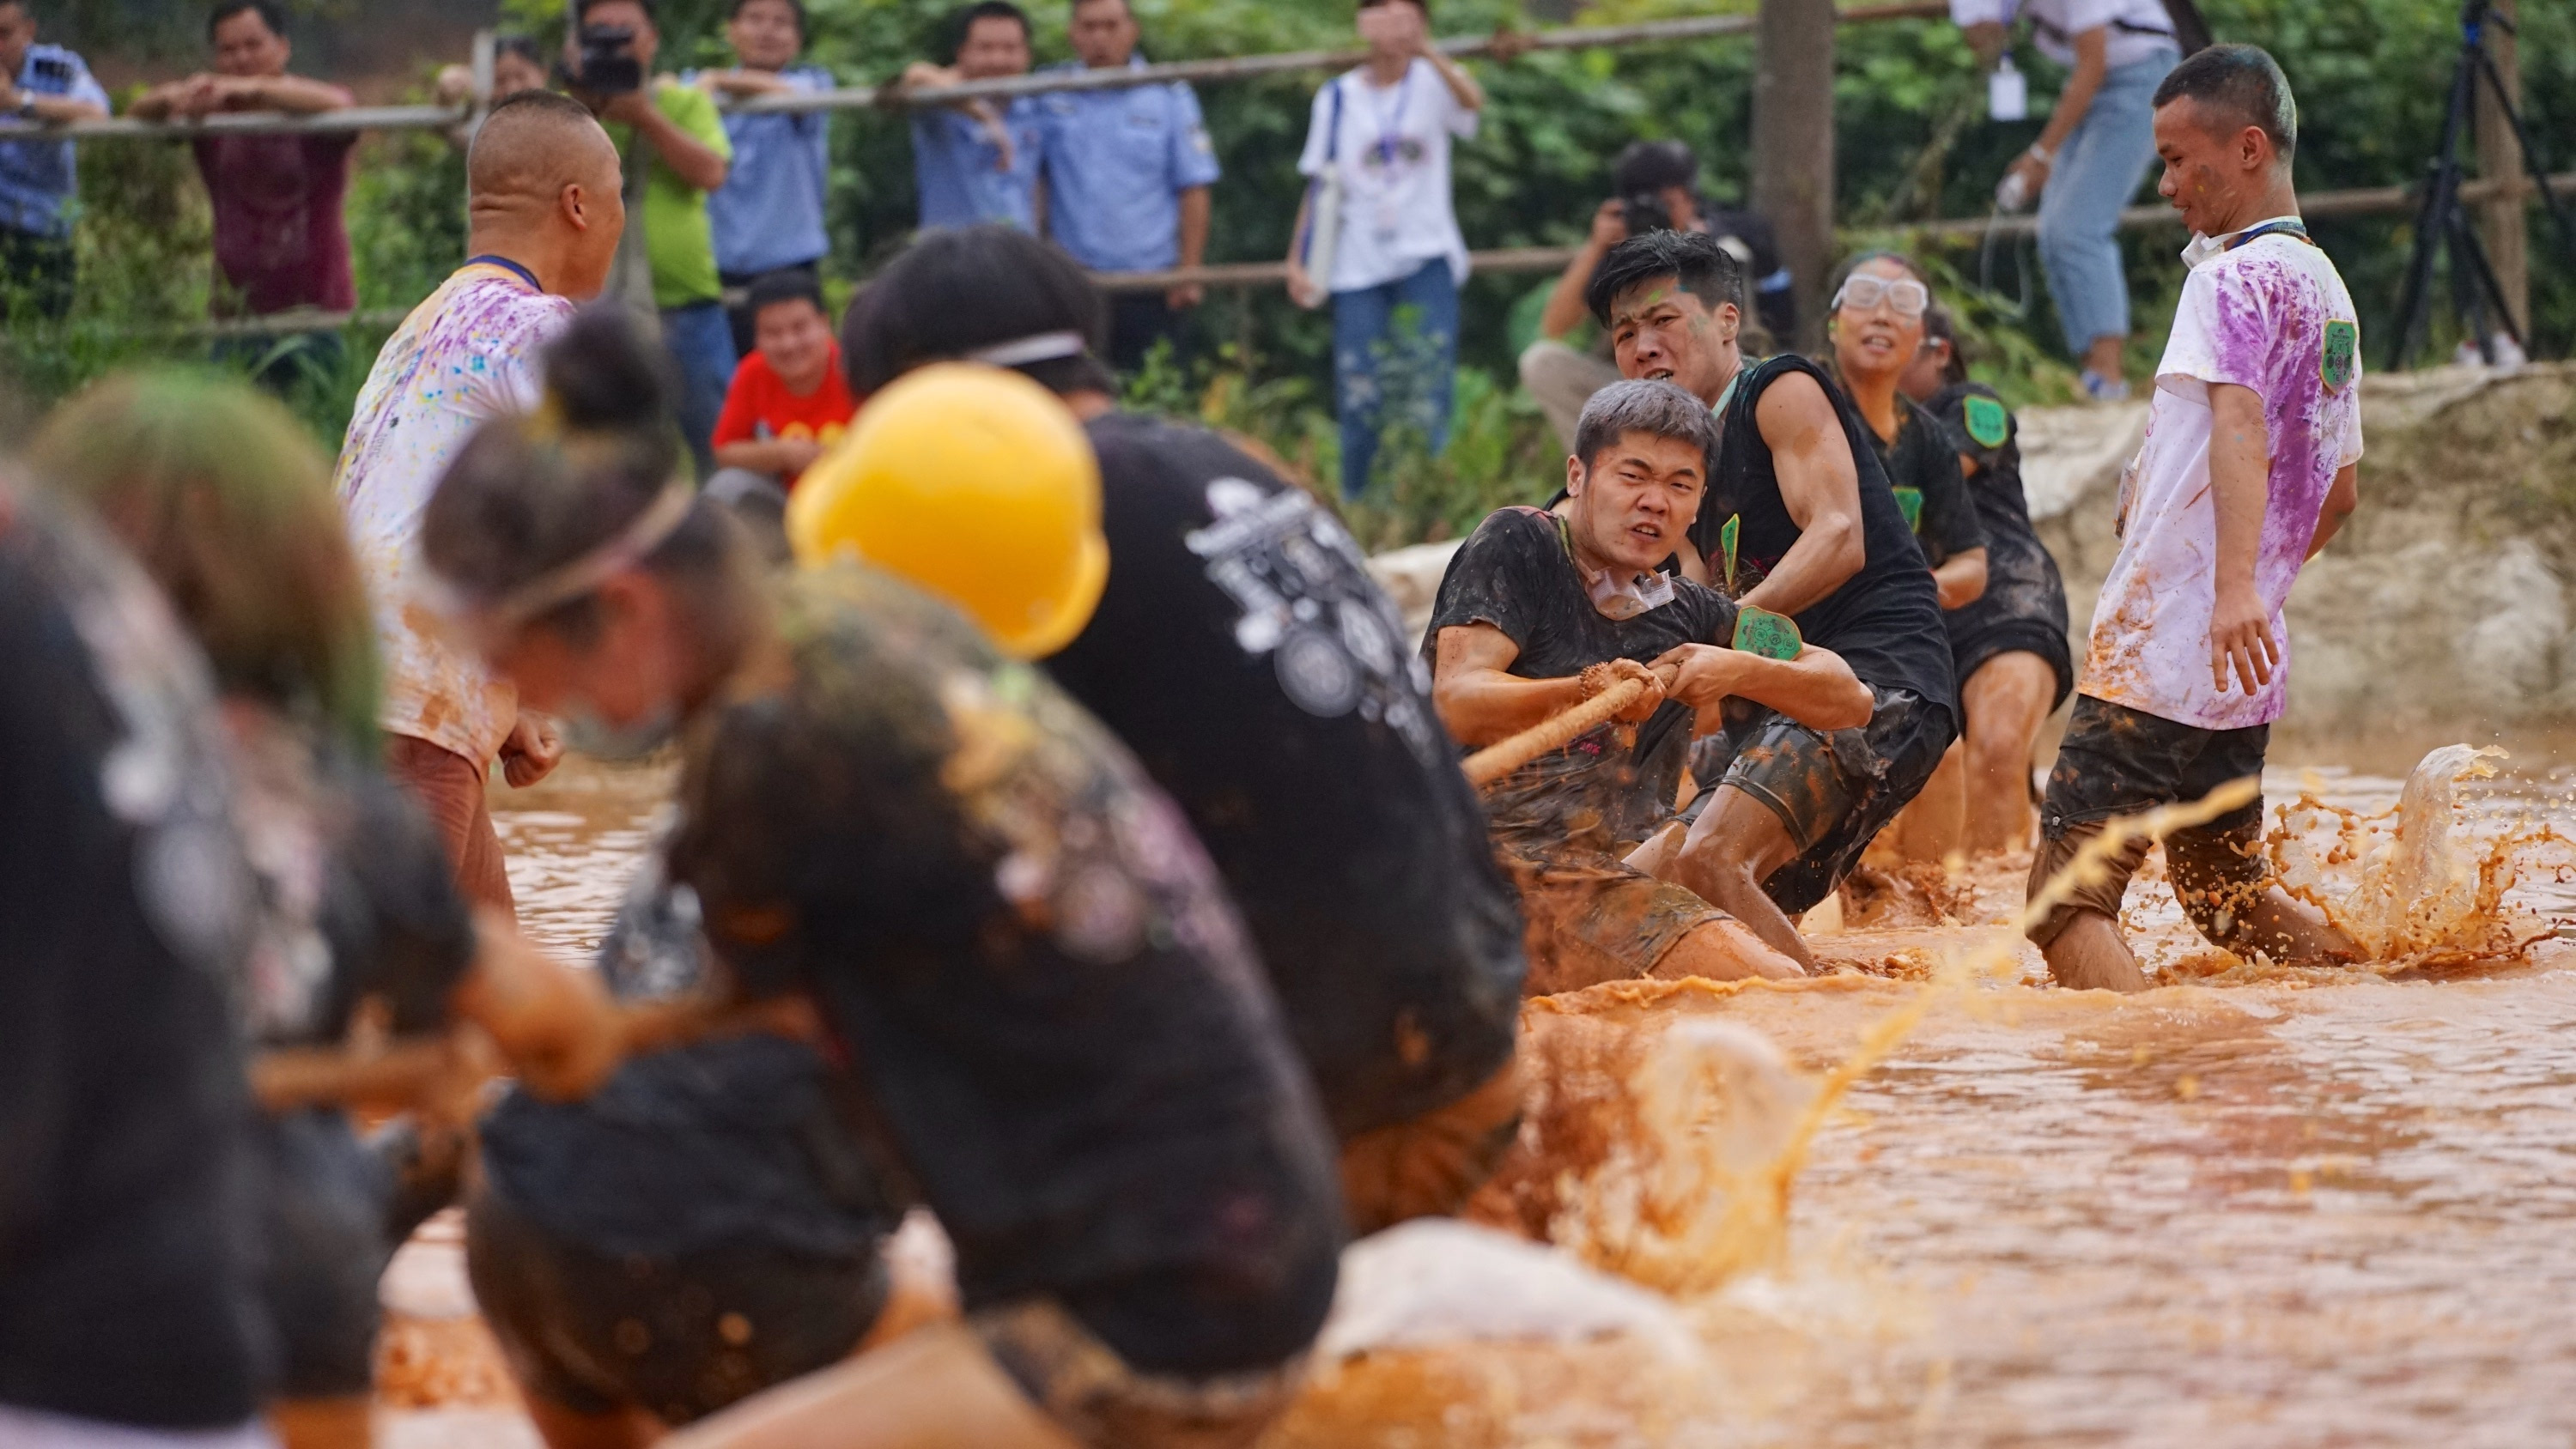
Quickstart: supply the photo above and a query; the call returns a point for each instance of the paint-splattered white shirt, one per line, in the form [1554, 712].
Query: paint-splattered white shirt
[468, 354]
[2271, 315]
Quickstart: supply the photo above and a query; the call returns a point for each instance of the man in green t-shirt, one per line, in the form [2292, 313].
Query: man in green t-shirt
[675, 132]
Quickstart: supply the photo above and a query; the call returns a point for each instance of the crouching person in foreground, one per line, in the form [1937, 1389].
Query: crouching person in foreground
[1057, 1040]
[1541, 611]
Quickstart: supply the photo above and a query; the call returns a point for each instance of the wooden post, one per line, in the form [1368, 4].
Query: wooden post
[1793, 148]
[2503, 223]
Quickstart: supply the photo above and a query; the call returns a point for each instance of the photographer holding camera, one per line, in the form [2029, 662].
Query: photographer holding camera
[1657, 186]
[676, 152]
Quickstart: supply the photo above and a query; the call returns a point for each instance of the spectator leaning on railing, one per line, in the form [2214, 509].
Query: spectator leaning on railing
[280, 242]
[676, 153]
[38, 177]
[1127, 175]
[978, 161]
[768, 215]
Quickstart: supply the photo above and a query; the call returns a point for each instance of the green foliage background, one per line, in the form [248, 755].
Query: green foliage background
[1912, 142]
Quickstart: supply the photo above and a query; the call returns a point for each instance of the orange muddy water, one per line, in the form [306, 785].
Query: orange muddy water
[2256, 1207]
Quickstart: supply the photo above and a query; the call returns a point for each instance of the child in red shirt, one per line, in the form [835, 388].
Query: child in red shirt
[789, 402]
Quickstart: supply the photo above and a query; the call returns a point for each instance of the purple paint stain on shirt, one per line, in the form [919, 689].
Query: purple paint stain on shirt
[2271, 338]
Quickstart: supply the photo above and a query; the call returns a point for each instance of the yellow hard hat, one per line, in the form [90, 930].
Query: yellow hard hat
[972, 482]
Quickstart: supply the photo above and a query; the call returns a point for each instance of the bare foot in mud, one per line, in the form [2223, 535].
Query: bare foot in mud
[2089, 955]
[1724, 951]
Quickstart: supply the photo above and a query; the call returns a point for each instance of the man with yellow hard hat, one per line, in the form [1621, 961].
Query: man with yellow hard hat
[1240, 649]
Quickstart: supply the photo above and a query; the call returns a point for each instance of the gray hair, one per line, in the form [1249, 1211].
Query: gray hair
[1637, 405]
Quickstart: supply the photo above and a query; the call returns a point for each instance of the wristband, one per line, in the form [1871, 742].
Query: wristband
[2041, 154]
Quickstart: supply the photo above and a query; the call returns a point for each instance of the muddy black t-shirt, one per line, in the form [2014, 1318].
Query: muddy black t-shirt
[1610, 787]
[1057, 1031]
[1921, 460]
[2025, 600]
[1885, 621]
[127, 1206]
[1261, 677]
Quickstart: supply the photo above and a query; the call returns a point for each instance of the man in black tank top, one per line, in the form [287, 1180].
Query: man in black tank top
[1798, 520]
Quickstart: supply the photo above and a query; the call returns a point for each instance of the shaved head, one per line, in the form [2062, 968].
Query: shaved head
[543, 189]
[534, 144]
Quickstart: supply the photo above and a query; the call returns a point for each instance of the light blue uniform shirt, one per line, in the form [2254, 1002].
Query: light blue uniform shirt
[1116, 163]
[769, 212]
[958, 169]
[37, 177]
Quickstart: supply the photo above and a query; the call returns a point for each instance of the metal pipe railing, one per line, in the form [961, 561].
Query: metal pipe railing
[852, 98]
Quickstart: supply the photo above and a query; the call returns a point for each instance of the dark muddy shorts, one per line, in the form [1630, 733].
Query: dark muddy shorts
[1972, 652]
[678, 1336]
[1834, 790]
[1588, 917]
[1105, 1402]
[2119, 761]
[330, 1232]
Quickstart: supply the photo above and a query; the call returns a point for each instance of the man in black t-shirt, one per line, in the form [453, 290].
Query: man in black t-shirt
[1799, 520]
[128, 1201]
[1540, 611]
[1242, 651]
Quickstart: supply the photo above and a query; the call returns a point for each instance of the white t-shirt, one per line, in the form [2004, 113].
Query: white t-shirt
[1393, 156]
[2139, 28]
[2271, 315]
[468, 354]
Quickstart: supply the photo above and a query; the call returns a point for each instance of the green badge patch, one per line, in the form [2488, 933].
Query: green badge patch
[1727, 536]
[2342, 345]
[1910, 502]
[1989, 426]
[1773, 636]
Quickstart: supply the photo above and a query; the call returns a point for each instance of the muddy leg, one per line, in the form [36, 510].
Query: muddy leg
[1735, 845]
[2087, 954]
[2219, 876]
[1724, 951]
[2006, 702]
[1934, 823]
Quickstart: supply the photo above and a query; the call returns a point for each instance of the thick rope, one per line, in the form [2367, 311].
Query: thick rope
[1550, 735]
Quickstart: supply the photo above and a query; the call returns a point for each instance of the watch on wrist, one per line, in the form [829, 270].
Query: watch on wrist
[25, 110]
[2041, 154]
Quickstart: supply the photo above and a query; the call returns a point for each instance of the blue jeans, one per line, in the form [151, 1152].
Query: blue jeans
[2097, 171]
[700, 341]
[1395, 360]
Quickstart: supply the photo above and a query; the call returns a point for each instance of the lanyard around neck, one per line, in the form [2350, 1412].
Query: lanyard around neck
[2288, 226]
[1390, 128]
[507, 265]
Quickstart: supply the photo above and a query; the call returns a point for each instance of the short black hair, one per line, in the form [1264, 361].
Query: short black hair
[581, 10]
[270, 13]
[1654, 407]
[788, 284]
[2244, 84]
[1654, 165]
[797, 7]
[1693, 259]
[951, 293]
[964, 23]
[1422, 5]
[525, 47]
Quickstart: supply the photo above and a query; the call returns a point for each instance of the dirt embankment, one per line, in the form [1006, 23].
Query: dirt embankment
[2444, 602]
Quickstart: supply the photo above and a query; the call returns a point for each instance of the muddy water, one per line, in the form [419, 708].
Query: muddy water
[2294, 1210]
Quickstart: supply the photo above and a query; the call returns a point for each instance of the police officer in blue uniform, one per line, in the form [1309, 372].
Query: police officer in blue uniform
[1127, 173]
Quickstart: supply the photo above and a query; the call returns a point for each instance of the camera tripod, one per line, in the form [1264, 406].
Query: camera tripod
[2443, 222]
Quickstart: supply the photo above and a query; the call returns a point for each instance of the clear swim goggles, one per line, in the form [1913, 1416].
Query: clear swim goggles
[1904, 296]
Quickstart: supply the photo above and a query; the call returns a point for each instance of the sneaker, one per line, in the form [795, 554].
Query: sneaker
[2103, 389]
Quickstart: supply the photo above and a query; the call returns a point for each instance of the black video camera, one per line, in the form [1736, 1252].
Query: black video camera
[606, 64]
[1644, 211]
[53, 69]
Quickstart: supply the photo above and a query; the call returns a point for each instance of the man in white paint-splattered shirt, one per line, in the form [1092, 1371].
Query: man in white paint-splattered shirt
[545, 215]
[2246, 472]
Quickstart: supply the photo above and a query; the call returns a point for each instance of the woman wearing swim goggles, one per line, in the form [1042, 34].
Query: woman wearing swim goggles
[1863, 292]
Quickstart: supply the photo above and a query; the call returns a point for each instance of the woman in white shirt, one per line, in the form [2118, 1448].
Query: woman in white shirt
[1377, 234]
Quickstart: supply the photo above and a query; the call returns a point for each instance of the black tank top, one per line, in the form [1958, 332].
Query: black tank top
[1885, 621]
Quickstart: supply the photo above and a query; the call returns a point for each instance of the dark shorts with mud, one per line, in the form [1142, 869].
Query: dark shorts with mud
[1834, 790]
[679, 1335]
[1107, 1403]
[1588, 917]
[2119, 761]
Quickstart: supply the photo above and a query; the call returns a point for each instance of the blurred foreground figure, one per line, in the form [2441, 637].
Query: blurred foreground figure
[1057, 1039]
[128, 1258]
[545, 217]
[219, 495]
[1243, 652]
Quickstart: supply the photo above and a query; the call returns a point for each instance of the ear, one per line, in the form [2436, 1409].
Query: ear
[1575, 476]
[2254, 149]
[574, 204]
